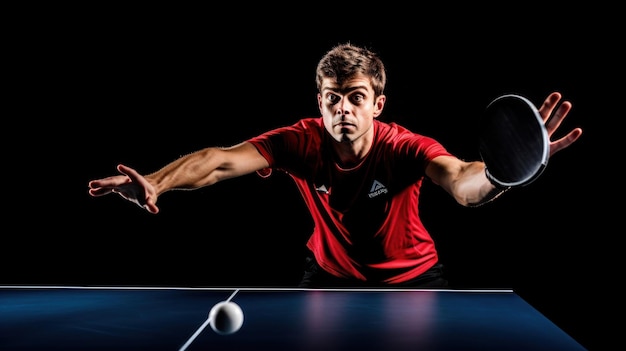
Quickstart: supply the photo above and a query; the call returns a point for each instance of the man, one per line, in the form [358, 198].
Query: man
[359, 177]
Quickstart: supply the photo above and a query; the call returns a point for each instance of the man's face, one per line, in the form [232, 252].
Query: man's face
[349, 109]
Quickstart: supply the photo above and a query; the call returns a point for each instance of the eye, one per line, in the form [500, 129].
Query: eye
[357, 98]
[332, 98]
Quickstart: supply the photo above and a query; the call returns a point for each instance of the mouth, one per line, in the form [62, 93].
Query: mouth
[344, 125]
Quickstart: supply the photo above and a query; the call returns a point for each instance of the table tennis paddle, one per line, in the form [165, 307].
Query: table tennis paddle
[513, 141]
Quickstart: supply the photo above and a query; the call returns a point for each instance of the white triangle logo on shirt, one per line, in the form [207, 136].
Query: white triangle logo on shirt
[322, 189]
[377, 189]
[375, 186]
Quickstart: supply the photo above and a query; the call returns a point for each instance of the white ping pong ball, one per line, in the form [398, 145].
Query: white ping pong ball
[226, 317]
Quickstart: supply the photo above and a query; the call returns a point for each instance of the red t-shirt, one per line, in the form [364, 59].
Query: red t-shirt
[366, 219]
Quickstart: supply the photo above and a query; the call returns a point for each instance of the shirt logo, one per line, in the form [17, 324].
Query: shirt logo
[377, 189]
[322, 189]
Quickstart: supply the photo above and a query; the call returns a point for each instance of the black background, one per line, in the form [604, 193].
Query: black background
[93, 87]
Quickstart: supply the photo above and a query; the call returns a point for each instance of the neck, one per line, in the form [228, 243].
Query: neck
[350, 153]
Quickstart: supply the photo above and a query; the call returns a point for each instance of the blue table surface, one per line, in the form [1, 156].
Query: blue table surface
[153, 318]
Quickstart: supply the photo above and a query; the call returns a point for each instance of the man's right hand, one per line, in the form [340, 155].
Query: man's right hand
[131, 185]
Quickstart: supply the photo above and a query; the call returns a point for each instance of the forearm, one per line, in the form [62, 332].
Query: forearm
[188, 172]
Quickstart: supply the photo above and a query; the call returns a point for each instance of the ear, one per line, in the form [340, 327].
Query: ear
[379, 105]
[319, 102]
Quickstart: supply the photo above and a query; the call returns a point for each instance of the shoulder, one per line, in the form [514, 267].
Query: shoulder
[311, 124]
[301, 137]
[303, 126]
[400, 138]
[394, 131]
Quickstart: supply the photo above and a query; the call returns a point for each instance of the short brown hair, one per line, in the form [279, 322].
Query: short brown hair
[346, 60]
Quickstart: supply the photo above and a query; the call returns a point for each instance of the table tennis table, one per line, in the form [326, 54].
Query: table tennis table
[166, 318]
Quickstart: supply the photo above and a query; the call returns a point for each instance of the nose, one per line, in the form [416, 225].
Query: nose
[341, 108]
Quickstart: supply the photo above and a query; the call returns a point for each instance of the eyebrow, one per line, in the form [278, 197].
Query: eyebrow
[347, 89]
